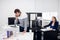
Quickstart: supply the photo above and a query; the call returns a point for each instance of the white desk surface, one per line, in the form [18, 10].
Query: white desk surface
[16, 34]
[21, 36]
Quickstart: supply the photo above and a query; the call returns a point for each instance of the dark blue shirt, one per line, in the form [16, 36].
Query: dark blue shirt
[55, 26]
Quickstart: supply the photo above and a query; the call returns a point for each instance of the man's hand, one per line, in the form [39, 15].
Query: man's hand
[16, 18]
[24, 31]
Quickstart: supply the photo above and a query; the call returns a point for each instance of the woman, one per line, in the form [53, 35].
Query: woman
[53, 24]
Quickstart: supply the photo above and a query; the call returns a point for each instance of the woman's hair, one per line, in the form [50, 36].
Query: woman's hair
[55, 18]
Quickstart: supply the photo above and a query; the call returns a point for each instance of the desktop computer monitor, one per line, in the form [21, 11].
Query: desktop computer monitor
[11, 20]
[39, 14]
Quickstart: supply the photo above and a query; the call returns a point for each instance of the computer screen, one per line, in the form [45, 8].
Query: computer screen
[39, 14]
[11, 20]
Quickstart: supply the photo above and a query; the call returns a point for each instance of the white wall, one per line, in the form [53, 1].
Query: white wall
[49, 8]
[59, 10]
[46, 5]
[7, 7]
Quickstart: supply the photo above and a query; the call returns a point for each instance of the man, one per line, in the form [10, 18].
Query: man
[21, 20]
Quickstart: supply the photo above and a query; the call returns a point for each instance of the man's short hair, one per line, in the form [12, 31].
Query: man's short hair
[17, 10]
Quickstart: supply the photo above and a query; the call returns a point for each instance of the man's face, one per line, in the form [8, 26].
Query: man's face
[17, 14]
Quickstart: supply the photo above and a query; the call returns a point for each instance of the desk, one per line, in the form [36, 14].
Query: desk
[20, 36]
[50, 35]
[16, 34]
[4, 30]
[45, 35]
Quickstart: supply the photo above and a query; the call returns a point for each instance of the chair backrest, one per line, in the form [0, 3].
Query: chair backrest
[58, 28]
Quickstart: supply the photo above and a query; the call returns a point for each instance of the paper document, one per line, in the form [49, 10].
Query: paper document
[47, 29]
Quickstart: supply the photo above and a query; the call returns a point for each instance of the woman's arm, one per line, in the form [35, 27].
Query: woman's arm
[48, 24]
[56, 25]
